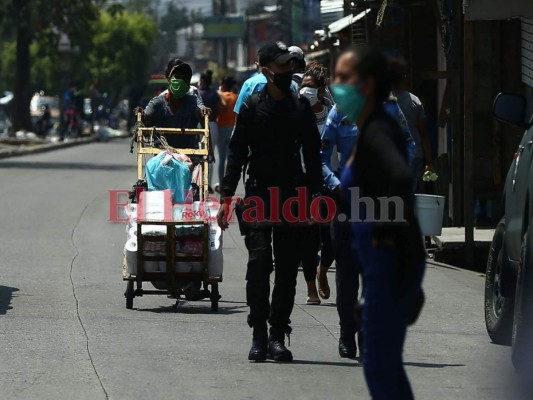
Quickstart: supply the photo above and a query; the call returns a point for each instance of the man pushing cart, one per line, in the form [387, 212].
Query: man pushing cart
[173, 240]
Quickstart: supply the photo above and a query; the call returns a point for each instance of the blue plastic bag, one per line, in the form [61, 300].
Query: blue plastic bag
[175, 176]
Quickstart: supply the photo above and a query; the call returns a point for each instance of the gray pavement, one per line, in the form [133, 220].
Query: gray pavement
[65, 332]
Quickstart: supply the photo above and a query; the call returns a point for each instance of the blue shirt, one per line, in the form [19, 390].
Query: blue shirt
[253, 85]
[339, 131]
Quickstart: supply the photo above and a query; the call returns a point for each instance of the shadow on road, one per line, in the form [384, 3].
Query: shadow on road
[187, 309]
[441, 265]
[65, 165]
[328, 363]
[325, 304]
[429, 365]
[6, 294]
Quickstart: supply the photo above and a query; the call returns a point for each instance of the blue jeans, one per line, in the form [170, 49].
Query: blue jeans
[387, 306]
[224, 135]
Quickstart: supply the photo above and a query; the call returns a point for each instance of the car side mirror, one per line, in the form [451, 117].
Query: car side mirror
[511, 109]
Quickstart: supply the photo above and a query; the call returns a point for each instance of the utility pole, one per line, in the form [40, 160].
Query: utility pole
[457, 109]
[223, 12]
[285, 17]
[468, 142]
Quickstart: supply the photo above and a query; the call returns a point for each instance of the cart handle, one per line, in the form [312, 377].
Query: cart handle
[175, 131]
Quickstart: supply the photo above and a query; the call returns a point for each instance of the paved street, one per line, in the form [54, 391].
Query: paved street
[65, 332]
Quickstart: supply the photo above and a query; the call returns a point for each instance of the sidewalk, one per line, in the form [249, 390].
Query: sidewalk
[11, 147]
[450, 247]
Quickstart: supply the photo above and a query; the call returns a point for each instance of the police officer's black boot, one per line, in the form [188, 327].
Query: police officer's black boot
[347, 346]
[258, 351]
[276, 346]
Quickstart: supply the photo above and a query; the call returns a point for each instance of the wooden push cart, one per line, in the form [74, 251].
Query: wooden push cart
[171, 281]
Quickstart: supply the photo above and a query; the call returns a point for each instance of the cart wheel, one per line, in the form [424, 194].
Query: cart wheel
[129, 295]
[215, 296]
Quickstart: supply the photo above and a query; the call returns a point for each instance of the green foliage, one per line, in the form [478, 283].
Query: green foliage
[140, 6]
[44, 68]
[120, 51]
[7, 66]
[173, 20]
[116, 9]
[116, 53]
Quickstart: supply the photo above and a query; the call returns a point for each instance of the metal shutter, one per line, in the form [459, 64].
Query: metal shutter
[527, 51]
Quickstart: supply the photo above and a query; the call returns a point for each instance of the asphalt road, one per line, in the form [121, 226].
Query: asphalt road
[65, 332]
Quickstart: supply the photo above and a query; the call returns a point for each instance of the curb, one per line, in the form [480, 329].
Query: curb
[49, 147]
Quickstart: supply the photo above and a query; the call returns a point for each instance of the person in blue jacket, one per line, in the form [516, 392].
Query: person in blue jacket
[341, 133]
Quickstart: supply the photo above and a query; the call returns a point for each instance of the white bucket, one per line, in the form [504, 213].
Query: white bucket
[429, 210]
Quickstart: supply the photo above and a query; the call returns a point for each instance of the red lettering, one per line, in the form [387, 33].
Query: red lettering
[229, 202]
[256, 213]
[140, 209]
[301, 203]
[330, 205]
[114, 205]
[274, 205]
[210, 199]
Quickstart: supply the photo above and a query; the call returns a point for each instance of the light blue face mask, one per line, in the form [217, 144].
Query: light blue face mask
[349, 101]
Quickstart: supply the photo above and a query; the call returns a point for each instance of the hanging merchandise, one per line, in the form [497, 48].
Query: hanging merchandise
[445, 16]
[381, 13]
[165, 172]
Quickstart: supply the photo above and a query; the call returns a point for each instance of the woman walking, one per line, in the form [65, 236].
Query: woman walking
[390, 251]
[313, 88]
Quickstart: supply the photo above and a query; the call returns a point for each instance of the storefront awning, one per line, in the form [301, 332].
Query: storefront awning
[345, 22]
[480, 10]
[316, 54]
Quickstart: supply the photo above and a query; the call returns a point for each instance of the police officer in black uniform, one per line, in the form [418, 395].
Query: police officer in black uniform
[273, 129]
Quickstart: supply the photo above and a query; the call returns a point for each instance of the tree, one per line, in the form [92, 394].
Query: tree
[44, 69]
[140, 6]
[44, 21]
[173, 20]
[120, 51]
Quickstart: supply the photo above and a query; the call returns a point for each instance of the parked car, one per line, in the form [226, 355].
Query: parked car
[37, 103]
[509, 275]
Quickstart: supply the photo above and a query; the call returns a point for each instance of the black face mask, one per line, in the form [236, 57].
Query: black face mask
[283, 81]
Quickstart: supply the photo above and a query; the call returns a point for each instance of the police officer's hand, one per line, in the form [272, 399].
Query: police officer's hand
[222, 216]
